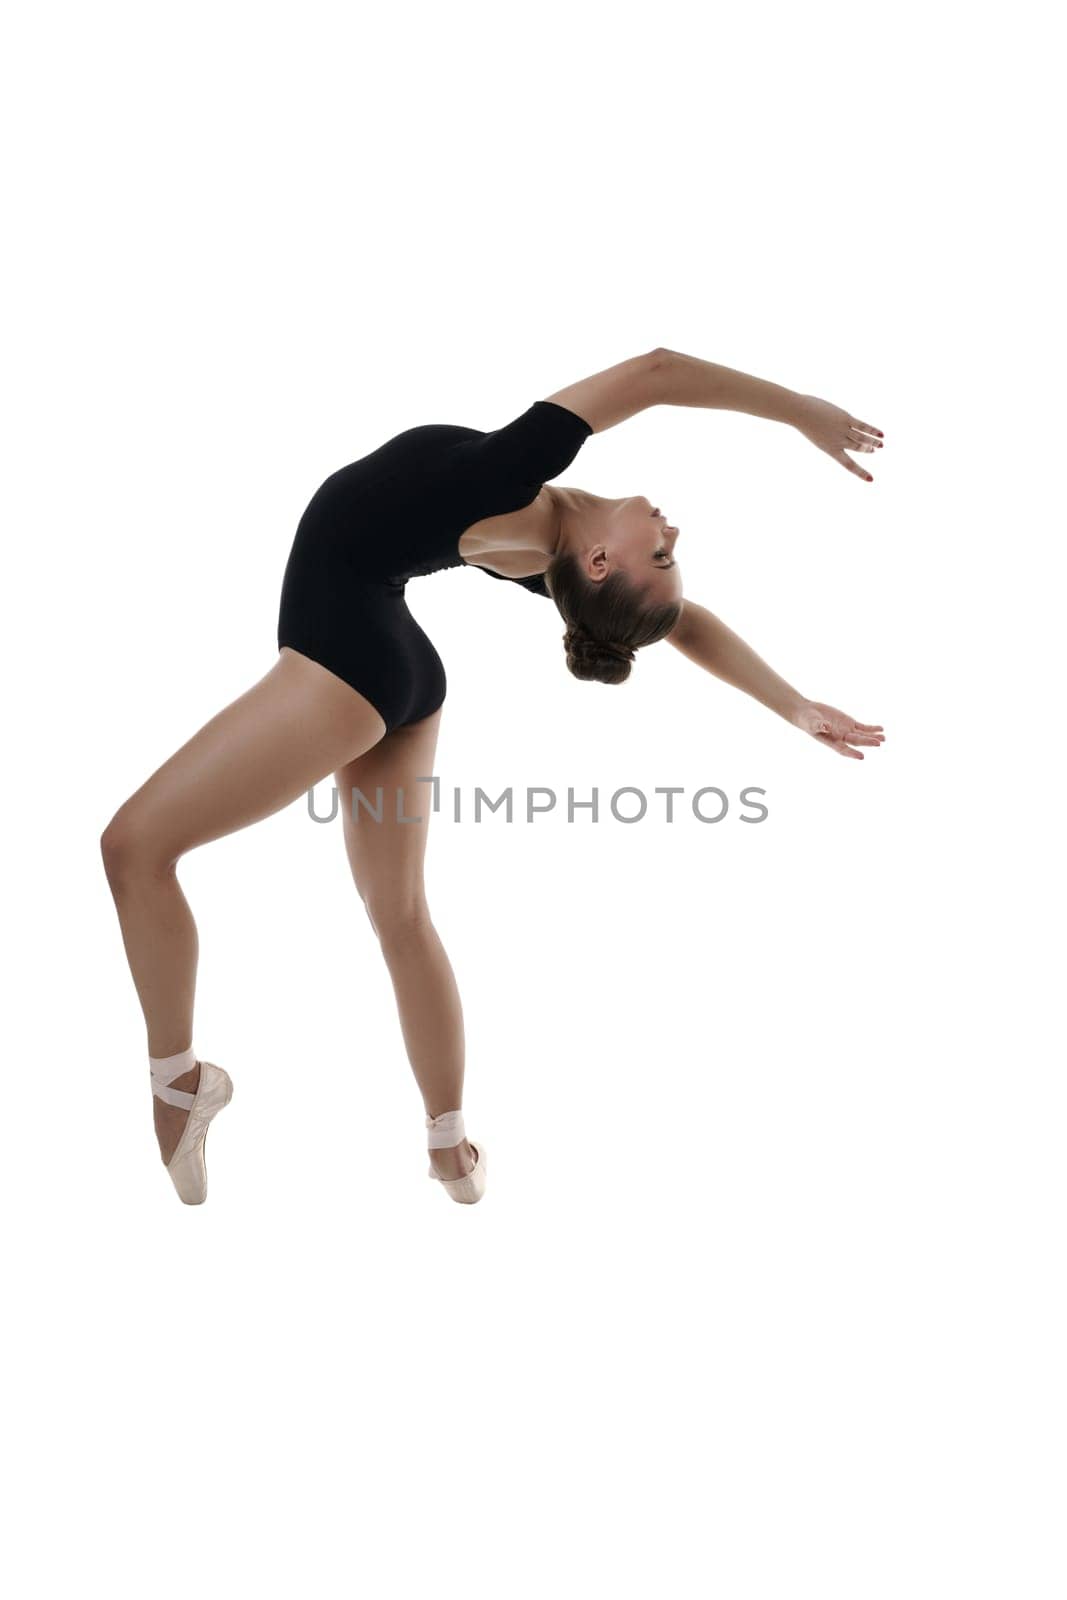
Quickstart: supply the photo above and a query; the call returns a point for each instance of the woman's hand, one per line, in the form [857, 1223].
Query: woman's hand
[836, 729]
[836, 431]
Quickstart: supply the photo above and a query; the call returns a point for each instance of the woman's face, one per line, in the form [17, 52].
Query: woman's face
[639, 539]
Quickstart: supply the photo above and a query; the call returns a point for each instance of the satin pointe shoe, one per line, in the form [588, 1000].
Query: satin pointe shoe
[445, 1132]
[187, 1167]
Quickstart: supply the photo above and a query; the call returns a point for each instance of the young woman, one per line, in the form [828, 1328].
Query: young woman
[358, 688]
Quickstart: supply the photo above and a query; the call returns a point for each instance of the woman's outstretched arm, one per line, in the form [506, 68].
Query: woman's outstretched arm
[617, 393]
[687, 381]
[706, 640]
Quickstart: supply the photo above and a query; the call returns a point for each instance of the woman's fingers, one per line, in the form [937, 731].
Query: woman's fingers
[843, 733]
[840, 746]
[867, 428]
[847, 461]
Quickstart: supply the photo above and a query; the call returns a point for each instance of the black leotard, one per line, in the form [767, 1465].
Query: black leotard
[398, 513]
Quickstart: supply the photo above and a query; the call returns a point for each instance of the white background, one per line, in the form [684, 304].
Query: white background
[765, 1296]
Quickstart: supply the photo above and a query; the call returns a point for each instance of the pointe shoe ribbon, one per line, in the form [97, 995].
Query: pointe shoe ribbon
[444, 1133]
[161, 1076]
[187, 1167]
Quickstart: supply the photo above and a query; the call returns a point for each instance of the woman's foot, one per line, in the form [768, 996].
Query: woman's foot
[171, 1120]
[454, 1162]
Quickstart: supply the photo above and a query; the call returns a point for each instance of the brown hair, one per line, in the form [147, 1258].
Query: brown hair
[606, 621]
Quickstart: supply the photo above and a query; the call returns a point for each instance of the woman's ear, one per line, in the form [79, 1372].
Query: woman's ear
[595, 562]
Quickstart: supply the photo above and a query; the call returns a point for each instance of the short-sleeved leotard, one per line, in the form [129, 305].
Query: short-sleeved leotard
[399, 513]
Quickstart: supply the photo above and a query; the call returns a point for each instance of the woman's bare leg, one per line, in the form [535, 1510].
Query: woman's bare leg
[387, 863]
[264, 750]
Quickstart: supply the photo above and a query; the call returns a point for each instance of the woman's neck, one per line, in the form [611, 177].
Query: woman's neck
[518, 544]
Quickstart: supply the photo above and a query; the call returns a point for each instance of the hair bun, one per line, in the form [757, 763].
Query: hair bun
[598, 660]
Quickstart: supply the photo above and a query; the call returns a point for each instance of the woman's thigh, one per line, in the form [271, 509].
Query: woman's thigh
[262, 751]
[387, 857]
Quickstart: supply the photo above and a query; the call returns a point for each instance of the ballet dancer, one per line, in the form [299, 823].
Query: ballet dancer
[357, 691]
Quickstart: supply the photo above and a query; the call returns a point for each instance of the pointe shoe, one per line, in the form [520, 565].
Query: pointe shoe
[187, 1167]
[446, 1131]
[470, 1188]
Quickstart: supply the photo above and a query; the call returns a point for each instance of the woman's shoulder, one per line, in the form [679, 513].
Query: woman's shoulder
[537, 445]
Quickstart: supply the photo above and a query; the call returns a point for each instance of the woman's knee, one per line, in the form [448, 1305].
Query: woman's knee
[396, 914]
[132, 850]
